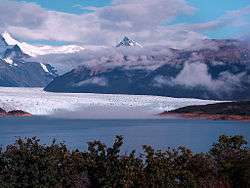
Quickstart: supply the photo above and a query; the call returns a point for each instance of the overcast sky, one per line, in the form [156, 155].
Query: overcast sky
[105, 22]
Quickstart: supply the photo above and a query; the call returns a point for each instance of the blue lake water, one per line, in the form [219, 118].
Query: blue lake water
[197, 135]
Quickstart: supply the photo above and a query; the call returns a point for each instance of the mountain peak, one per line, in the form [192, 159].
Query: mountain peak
[127, 42]
[126, 38]
[8, 38]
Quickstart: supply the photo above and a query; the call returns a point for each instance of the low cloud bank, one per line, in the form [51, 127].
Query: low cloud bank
[197, 74]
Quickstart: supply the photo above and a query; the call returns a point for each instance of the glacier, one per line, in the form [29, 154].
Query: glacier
[89, 105]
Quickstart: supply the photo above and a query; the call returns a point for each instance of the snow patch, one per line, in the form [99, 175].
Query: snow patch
[44, 67]
[10, 61]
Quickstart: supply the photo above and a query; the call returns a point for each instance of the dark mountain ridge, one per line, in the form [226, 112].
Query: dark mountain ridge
[218, 111]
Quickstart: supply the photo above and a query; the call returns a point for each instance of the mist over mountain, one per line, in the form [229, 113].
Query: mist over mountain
[215, 69]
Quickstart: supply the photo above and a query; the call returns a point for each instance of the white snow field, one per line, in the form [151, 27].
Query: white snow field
[34, 51]
[89, 105]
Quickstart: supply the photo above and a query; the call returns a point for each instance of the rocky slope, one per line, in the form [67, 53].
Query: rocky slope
[127, 42]
[220, 69]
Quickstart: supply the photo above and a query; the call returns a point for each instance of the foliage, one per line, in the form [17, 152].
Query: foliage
[27, 163]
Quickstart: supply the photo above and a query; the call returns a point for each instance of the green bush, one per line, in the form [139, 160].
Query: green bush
[27, 163]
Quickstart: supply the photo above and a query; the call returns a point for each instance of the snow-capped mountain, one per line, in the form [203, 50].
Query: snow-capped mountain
[34, 51]
[15, 53]
[17, 71]
[126, 42]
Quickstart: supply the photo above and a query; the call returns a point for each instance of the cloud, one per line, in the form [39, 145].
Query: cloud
[102, 26]
[148, 58]
[193, 75]
[136, 15]
[30, 21]
[235, 18]
[196, 75]
[100, 81]
[146, 21]
[20, 14]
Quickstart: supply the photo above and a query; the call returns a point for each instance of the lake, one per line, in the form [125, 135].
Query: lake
[197, 135]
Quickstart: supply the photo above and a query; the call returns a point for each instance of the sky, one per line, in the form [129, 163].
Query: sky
[105, 22]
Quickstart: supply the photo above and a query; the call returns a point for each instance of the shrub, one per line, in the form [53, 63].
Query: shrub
[27, 163]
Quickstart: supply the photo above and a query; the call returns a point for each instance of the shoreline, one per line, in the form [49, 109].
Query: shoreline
[215, 117]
